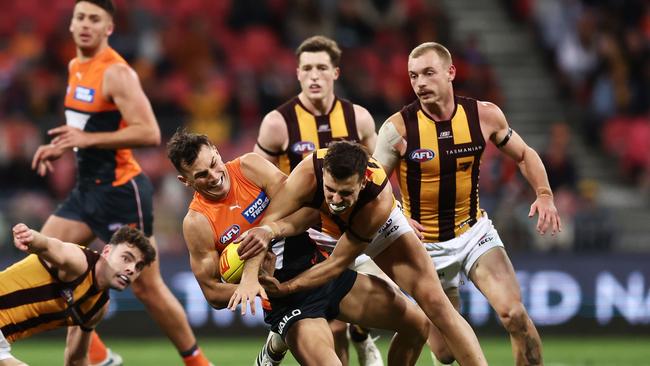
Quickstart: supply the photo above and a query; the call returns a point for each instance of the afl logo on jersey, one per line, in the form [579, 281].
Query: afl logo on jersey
[303, 147]
[421, 155]
[230, 234]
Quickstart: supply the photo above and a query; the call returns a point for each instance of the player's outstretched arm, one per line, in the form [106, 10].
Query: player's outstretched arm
[66, 257]
[530, 165]
[122, 86]
[350, 245]
[204, 260]
[346, 250]
[288, 198]
[249, 286]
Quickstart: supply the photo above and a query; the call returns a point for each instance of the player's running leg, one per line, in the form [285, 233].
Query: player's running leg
[311, 343]
[168, 313]
[273, 351]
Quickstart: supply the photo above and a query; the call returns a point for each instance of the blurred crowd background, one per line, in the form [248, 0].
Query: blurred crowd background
[217, 66]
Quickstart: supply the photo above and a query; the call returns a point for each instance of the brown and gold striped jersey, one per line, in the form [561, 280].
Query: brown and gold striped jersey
[439, 173]
[308, 132]
[33, 299]
[336, 225]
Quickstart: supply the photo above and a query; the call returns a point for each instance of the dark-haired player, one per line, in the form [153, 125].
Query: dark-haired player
[312, 120]
[62, 284]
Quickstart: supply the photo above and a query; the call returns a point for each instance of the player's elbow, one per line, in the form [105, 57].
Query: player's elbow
[218, 304]
[153, 138]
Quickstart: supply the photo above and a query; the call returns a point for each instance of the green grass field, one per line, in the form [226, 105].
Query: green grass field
[578, 351]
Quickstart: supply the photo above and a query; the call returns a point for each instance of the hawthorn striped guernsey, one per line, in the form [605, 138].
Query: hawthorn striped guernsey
[33, 299]
[308, 132]
[439, 172]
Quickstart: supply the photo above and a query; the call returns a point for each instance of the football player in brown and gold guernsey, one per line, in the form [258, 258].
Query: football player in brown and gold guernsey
[312, 120]
[435, 145]
[65, 285]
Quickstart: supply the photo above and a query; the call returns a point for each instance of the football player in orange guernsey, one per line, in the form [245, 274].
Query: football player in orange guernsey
[107, 114]
[231, 198]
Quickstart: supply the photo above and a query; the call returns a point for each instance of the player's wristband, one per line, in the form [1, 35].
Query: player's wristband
[544, 191]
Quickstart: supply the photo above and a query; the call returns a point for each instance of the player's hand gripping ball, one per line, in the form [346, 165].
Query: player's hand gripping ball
[230, 266]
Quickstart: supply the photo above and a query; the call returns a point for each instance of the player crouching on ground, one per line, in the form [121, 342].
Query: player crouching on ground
[63, 284]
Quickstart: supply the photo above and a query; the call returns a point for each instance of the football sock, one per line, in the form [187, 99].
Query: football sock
[194, 357]
[358, 334]
[97, 351]
[277, 347]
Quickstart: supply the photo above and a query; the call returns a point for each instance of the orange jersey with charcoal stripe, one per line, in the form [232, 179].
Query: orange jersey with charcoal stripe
[241, 210]
[87, 108]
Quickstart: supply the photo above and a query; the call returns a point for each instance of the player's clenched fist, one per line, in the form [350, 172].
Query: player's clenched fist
[23, 237]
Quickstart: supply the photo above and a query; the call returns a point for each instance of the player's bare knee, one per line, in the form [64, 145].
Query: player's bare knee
[429, 300]
[514, 319]
[338, 328]
[445, 357]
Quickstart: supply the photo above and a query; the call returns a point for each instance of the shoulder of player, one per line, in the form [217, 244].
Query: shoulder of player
[254, 166]
[364, 119]
[120, 71]
[273, 119]
[491, 116]
[362, 113]
[273, 133]
[197, 231]
[397, 121]
[195, 220]
[119, 75]
[374, 214]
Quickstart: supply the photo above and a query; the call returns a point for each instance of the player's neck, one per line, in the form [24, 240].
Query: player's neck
[86, 54]
[317, 107]
[102, 282]
[441, 110]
